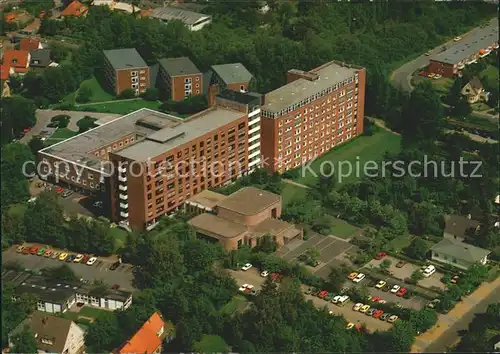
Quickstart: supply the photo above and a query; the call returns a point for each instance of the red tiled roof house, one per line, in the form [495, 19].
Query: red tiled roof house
[76, 8]
[30, 44]
[19, 60]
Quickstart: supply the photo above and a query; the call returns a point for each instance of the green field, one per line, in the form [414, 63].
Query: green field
[85, 311]
[121, 107]
[342, 229]
[237, 303]
[211, 344]
[291, 192]
[362, 149]
[59, 135]
[98, 93]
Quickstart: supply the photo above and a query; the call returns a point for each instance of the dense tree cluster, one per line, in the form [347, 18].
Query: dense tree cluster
[16, 114]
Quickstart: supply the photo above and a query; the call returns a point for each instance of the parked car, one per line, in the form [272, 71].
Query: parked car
[336, 299]
[400, 264]
[59, 190]
[48, 254]
[329, 297]
[392, 319]
[40, 252]
[34, 250]
[401, 292]
[384, 316]
[437, 76]
[322, 294]
[254, 292]
[422, 73]
[428, 271]
[456, 39]
[98, 204]
[70, 258]
[55, 255]
[370, 312]
[91, 261]
[386, 288]
[454, 279]
[350, 325]
[378, 313]
[85, 259]
[249, 288]
[243, 287]
[343, 300]
[430, 75]
[357, 306]
[359, 278]
[315, 292]
[395, 289]
[78, 258]
[352, 276]
[364, 308]
[264, 274]
[375, 299]
[113, 266]
[380, 284]
[308, 291]
[27, 250]
[63, 256]
[20, 249]
[66, 194]
[380, 255]
[428, 53]
[246, 267]
[433, 303]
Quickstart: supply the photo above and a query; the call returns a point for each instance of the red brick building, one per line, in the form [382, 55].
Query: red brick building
[125, 69]
[179, 78]
[146, 163]
[314, 112]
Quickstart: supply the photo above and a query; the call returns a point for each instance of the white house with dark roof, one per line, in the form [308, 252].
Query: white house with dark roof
[458, 254]
[194, 21]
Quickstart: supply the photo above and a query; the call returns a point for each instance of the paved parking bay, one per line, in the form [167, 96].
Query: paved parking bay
[251, 276]
[99, 271]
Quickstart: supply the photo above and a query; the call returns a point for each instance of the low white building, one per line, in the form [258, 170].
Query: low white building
[193, 20]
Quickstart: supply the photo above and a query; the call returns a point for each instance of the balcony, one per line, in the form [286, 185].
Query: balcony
[254, 130]
[122, 178]
[123, 196]
[253, 138]
[122, 187]
[122, 169]
[254, 121]
[254, 154]
[254, 162]
[254, 146]
[254, 112]
[124, 214]
[124, 205]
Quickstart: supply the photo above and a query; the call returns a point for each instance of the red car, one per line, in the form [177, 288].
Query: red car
[276, 276]
[27, 250]
[380, 255]
[375, 299]
[401, 292]
[34, 250]
[85, 259]
[323, 294]
[378, 313]
[59, 190]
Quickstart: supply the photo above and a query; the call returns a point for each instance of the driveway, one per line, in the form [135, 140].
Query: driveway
[407, 270]
[402, 76]
[332, 251]
[43, 117]
[99, 271]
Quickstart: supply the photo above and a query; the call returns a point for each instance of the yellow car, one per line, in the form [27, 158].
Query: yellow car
[63, 256]
[352, 276]
[350, 325]
[365, 308]
[380, 284]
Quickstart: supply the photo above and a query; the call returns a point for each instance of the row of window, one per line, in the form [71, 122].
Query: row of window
[189, 80]
[114, 147]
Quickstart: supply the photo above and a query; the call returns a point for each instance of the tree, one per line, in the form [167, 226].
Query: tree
[385, 264]
[322, 225]
[417, 249]
[266, 244]
[24, 342]
[104, 334]
[462, 109]
[14, 187]
[151, 94]
[312, 254]
[199, 255]
[18, 113]
[423, 320]
[36, 144]
[84, 94]
[417, 275]
[127, 94]
[63, 272]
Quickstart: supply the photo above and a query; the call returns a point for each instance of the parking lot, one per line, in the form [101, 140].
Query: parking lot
[251, 276]
[122, 276]
[332, 252]
[407, 270]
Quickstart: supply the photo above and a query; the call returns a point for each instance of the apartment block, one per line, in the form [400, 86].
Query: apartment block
[179, 78]
[125, 69]
[314, 112]
[146, 164]
[232, 76]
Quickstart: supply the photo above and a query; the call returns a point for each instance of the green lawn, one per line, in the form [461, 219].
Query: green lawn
[86, 311]
[362, 149]
[237, 303]
[211, 344]
[120, 236]
[98, 93]
[342, 229]
[291, 192]
[59, 135]
[121, 107]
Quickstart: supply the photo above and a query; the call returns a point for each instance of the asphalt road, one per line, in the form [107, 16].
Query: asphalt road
[401, 77]
[450, 337]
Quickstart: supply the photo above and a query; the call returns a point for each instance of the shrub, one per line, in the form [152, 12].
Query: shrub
[151, 94]
[61, 120]
[84, 95]
[127, 93]
[85, 124]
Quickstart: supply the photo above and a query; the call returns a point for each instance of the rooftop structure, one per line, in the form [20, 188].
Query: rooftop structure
[232, 73]
[206, 200]
[458, 252]
[169, 13]
[249, 201]
[179, 66]
[457, 226]
[472, 43]
[300, 90]
[126, 58]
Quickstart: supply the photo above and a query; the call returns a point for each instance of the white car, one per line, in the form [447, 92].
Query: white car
[359, 278]
[246, 266]
[380, 284]
[243, 287]
[336, 299]
[395, 289]
[357, 306]
[91, 261]
[429, 271]
[78, 258]
[264, 274]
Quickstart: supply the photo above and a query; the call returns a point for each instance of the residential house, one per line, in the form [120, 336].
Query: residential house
[457, 227]
[496, 347]
[179, 78]
[458, 254]
[148, 339]
[192, 20]
[125, 69]
[52, 334]
[76, 9]
[30, 43]
[242, 218]
[474, 91]
[19, 60]
[40, 59]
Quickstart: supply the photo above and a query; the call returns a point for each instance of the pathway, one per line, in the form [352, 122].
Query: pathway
[104, 102]
[289, 181]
